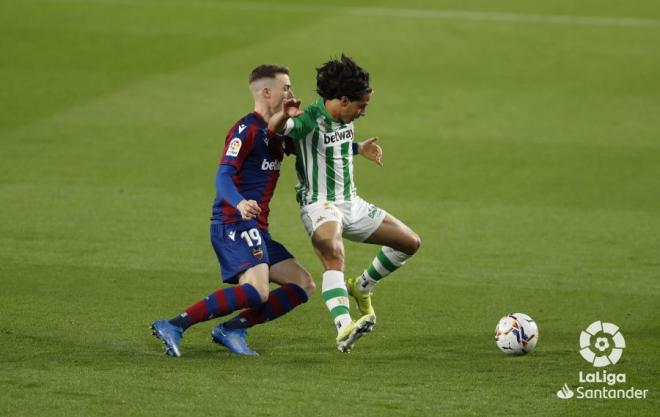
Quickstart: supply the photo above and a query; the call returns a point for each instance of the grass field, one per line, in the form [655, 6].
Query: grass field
[521, 140]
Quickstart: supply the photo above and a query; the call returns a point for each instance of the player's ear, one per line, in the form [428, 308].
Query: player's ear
[345, 101]
[265, 93]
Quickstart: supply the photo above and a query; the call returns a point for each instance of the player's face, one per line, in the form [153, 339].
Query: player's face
[280, 90]
[351, 110]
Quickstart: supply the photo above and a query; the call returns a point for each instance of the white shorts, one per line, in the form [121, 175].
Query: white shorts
[358, 219]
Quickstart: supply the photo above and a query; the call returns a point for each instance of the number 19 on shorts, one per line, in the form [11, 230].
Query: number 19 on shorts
[252, 237]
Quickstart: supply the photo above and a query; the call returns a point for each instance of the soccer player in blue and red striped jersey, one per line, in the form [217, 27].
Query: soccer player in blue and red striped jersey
[249, 258]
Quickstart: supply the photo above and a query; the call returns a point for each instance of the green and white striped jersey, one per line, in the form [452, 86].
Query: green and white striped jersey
[324, 157]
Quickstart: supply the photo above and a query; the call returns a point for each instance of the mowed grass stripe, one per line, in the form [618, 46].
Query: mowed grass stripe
[397, 13]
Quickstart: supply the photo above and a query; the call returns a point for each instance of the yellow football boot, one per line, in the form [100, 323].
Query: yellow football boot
[347, 338]
[362, 299]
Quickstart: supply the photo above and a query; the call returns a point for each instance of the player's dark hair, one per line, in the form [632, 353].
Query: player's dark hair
[267, 71]
[342, 77]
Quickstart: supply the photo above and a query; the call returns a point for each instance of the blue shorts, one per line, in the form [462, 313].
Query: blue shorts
[240, 246]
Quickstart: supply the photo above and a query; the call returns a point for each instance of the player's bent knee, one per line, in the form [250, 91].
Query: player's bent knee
[413, 245]
[262, 290]
[310, 288]
[263, 294]
[418, 242]
[335, 256]
[335, 252]
[304, 280]
[331, 252]
[308, 284]
[333, 260]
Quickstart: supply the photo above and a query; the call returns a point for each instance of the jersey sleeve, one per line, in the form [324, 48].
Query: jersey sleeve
[239, 143]
[289, 146]
[224, 186]
[298, 127]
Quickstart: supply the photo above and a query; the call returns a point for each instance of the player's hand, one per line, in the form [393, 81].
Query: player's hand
[291, 107]
[371, 150]
[249, 209]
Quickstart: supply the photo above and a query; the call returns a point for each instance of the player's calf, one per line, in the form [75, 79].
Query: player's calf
[280, 302]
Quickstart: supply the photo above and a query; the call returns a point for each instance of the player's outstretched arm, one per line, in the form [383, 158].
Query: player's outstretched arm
[290, 108]
[371, 150]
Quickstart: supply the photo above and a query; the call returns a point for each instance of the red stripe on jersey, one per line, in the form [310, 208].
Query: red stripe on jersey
[248, 140]
[231, 214]
[228, 138]
[267, 195]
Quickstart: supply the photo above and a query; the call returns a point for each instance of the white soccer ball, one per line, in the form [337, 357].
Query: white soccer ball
[516, 334]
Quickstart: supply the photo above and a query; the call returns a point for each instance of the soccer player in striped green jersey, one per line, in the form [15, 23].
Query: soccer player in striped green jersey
[330, 207]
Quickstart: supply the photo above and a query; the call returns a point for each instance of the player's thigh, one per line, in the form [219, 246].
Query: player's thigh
[284, 269]
[316, 215]
[289, 271]
[393, 233]
[327, 240]
[243, 254]
[323, 223]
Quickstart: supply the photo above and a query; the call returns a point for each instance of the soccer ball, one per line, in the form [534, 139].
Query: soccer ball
[516, 334]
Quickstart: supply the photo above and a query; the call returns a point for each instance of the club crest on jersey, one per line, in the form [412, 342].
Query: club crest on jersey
[234, 147]
[258, 253]
[338, 136]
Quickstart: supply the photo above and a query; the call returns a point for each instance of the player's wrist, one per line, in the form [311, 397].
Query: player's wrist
[240, 204]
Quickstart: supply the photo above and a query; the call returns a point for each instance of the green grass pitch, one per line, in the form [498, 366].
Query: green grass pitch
[521, 141]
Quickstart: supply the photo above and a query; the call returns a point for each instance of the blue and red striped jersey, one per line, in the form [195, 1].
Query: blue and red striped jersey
[257, 157]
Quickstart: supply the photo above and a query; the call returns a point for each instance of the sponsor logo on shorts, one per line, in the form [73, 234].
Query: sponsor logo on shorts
[373, 211]
[332, 210]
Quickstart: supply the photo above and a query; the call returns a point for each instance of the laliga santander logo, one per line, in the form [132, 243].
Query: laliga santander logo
[607, 341]
[602, 344]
